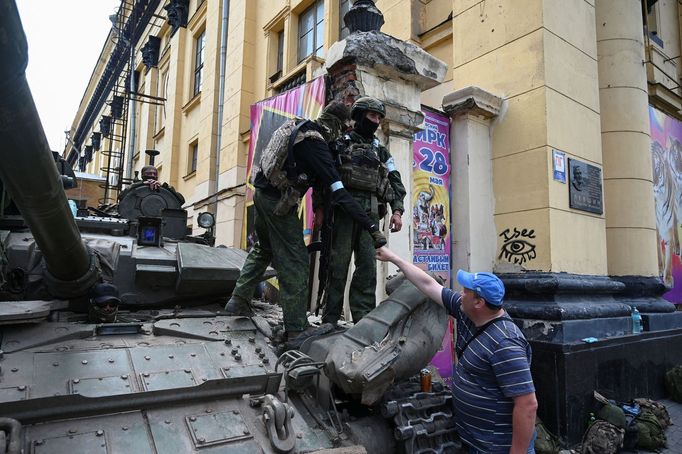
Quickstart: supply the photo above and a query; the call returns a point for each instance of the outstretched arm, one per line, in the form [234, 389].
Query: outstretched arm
[425, 283]
[319, 158]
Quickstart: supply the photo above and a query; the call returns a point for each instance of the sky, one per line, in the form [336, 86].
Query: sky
[65, 39]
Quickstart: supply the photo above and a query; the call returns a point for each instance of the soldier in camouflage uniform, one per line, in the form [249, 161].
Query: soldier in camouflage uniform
[368, 172]
[280, 231]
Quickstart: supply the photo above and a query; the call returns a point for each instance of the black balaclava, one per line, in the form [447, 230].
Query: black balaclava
[366, 127]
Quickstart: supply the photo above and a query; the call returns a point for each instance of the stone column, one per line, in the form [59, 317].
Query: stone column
[626, 141]
[170, 155]
[375, 64]
[473, 226]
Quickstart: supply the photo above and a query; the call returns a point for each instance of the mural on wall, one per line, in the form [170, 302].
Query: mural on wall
[518, 245]
[666, 155]
[304, 101]
[431, 196]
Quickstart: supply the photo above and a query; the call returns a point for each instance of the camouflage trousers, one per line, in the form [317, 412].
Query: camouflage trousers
[350, 238]
[280, 243]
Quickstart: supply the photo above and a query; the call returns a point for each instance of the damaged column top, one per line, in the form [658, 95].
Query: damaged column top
[371, 63]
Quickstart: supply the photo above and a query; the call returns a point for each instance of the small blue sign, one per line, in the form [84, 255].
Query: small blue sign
[559, 165]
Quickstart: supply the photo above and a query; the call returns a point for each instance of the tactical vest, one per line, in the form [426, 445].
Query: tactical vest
[361, 169]
[278, 165]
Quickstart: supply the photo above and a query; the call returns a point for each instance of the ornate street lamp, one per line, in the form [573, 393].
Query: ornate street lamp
[363, 16]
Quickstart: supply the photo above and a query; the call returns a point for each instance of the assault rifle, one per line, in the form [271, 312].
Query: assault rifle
[324, 247]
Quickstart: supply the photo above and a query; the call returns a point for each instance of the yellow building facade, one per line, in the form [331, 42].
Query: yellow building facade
[542, 58]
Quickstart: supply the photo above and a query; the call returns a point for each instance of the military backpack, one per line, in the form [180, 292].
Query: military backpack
[602, 438]
[673, 383]
[278, 165]
[277, 160]
[656, 408]
[546, 442]
[651, 434]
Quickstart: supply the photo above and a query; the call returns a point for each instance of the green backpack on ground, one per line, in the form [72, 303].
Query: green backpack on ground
[651, 434]
[673, 383]
[546, 442]
[656, 408]
[602, 438]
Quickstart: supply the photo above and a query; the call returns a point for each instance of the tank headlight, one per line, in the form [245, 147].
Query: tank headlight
[206, 220]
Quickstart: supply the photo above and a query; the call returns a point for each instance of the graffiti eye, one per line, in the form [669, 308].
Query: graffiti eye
[518, 251]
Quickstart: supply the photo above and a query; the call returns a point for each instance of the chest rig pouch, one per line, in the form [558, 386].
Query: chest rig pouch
[361, 169]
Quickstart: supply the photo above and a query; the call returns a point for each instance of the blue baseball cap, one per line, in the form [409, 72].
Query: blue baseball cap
[487, 285]
[105, 293]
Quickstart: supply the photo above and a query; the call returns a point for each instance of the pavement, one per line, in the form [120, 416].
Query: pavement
[674, 432]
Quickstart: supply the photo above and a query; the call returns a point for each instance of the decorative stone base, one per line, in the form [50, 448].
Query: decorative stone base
[620, 368]
[565, 308]
[661, 322]
[557, 310]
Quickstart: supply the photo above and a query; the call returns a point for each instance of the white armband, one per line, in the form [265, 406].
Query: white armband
[335, 186]
[390, 164]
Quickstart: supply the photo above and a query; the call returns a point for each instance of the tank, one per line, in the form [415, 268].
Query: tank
[113, 338]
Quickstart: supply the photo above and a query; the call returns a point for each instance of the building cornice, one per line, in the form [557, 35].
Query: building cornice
[267, 28]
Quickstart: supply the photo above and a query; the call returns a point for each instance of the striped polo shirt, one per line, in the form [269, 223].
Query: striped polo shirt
[494, 369]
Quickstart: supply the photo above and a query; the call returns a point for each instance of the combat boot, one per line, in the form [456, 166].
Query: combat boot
[296, 338]
[238, 306]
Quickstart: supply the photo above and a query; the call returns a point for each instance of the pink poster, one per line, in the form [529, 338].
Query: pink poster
[431, 196]
[305, 101]
[431, 219]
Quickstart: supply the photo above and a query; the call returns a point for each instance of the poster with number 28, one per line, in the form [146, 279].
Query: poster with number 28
[431, 214]
[431, 196]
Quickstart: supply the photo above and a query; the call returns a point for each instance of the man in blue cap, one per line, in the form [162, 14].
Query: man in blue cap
[493, 391]
[104, 302]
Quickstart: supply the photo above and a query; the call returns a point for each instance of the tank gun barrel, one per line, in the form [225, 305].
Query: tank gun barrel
[28, 170]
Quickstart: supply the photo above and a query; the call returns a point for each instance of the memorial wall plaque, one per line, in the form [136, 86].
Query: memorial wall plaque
[584, 189]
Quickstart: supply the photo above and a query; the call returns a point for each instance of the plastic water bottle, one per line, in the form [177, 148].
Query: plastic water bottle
[636, 321]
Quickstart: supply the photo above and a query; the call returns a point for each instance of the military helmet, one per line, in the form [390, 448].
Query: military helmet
[367, 104]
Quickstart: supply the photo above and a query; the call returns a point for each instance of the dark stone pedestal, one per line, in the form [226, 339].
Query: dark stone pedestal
[620, 368]
[557, 310]
[659, 322]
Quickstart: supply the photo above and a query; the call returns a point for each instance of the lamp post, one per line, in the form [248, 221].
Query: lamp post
[363, 16]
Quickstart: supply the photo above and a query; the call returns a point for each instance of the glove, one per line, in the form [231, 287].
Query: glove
[379, 239]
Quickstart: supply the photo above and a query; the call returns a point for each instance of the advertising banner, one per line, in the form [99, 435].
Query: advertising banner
[304, 101]
[431, 219]
[431, 196]
[666, 154]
